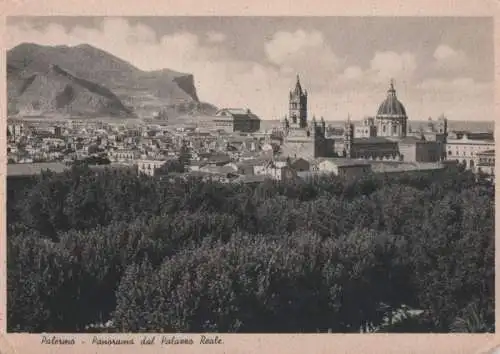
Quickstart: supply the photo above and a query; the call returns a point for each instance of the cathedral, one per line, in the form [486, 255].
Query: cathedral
[383, 137]
[302, 139]
[387, 137]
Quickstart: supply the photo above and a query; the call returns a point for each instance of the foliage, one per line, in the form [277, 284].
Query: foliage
[86, 247]
[170, 166]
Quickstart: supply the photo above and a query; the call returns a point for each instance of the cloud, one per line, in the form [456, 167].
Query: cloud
[336, 87]
[375, 78]
[216, 37]
[459, 98]
[391, 65]
[303, 52]
[447, 58]
[352, 73]
[463, 85]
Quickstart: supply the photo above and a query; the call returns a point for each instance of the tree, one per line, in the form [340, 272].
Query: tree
[473, 320]
[87, 246]
[170, 166]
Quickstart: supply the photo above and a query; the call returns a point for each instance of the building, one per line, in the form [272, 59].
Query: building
[228, 120]
[467, 148]
[149, 167]
[243, 120]
[298, 106]
[402, 167]
[345, 168]
[210, 123]
[382, 137]
[277, 170]
[385, 137]
[123, 155]
[391, 119]
[486, 162]
[301, 139]
[367, 129]
[15, 130]
[415, 149]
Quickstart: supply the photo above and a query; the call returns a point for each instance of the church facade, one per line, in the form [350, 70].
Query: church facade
[301, 138]
[383, 137]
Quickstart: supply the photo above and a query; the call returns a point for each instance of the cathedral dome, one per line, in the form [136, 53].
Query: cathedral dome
[391, 107]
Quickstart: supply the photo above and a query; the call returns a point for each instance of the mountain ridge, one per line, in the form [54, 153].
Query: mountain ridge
[109, 83]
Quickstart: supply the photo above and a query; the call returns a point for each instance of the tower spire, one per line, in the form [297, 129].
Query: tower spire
[298, 87]
[391, 90]
[298, 105]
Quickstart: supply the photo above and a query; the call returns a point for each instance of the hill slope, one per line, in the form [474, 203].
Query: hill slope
[84, 80]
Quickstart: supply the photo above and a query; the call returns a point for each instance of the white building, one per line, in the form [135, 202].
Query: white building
[465, 147]
[486, 162]
[344, 167]
[149, 167]
[124, 155]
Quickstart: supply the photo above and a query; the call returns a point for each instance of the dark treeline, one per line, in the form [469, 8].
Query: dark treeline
[88, 247]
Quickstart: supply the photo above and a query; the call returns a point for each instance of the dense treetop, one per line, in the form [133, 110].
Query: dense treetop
[87, 247]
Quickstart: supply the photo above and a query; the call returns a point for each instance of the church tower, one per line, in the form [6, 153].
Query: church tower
[298, 106]
[348, 138]
[442, 125]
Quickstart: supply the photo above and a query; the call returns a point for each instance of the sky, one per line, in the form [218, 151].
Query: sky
[440, 65]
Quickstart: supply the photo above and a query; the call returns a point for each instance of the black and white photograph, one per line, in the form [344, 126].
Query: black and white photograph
[220, 174]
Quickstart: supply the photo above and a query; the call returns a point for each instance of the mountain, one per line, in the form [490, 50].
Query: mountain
[57, 90]
[86, 81]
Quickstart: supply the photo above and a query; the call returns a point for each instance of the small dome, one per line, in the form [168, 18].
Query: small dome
[391, 105]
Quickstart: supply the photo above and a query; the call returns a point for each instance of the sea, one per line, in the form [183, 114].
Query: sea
[453, 125]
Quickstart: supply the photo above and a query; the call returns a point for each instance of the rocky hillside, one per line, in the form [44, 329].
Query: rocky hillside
[86, 81]
[58, 91]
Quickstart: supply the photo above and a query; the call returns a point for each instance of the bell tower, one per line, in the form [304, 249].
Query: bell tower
[348, 137]
[298, 106]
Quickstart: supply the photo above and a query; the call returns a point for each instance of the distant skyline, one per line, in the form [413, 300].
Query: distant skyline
[439, 64]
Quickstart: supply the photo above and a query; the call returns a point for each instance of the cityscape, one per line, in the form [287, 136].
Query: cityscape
[229, 145]
[135, 206]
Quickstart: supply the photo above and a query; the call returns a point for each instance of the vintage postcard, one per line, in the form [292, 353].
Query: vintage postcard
[200, 180]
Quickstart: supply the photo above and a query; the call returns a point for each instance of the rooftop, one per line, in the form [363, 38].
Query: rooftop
[391, 106]
[237, 113]
[411, 140]
[309, 174]
[372, 140]
[395, 166]
[346, 162]
[478, 136]
[33, 169]
[254, 162]
[251, 178]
